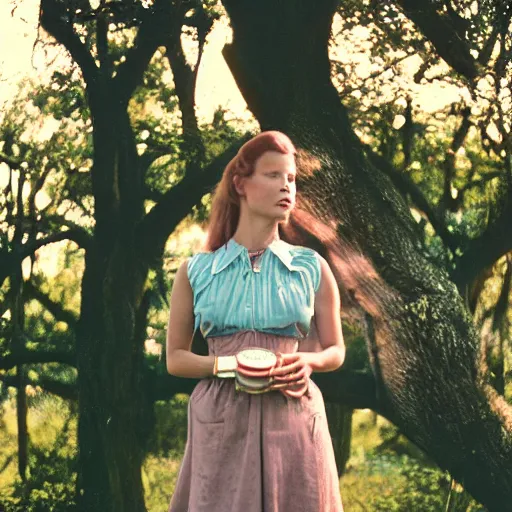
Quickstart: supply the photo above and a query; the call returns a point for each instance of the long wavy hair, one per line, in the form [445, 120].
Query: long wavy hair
[226, 200]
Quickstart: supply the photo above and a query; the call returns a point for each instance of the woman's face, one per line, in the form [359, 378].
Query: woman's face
[270, 190]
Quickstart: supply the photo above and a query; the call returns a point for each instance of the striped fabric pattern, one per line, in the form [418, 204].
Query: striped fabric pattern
[277, 297]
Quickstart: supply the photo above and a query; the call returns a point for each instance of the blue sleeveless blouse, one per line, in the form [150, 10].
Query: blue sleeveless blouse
[276, 298]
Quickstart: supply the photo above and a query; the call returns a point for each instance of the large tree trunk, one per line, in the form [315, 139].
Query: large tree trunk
[426, 350]
[109, 337]
[110, 391]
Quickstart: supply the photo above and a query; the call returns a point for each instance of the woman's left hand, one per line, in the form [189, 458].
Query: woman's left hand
[291, 374]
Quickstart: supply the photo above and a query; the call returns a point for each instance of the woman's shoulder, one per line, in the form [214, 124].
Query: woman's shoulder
[199, 269]
[301, 252]
[199, 260]
[307, 260]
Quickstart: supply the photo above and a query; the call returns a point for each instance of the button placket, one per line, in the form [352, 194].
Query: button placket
[251, 304]
[247, 274]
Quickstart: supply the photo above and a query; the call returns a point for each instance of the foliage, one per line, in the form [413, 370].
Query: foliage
[58, 161]
[159, 475]
[170, 433]
[388, 473]
[165, 451]
[408, 105]
[403, 485]
[50, 486]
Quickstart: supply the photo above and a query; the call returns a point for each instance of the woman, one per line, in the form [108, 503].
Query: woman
[269, 451]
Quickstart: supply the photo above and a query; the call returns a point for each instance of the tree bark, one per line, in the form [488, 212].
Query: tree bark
[426, 347]
[109, 353]
[339, 418]
[17, 344]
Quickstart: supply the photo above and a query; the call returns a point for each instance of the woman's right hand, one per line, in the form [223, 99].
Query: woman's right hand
[291, 374]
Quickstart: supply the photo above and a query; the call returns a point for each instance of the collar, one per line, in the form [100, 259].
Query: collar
[226, 254]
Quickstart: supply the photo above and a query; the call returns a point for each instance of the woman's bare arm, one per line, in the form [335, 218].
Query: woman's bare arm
[328, 323]
[181, 362]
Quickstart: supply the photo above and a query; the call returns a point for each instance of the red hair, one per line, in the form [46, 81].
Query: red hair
[226, 200]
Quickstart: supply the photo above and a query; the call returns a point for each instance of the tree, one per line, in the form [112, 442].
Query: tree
[459, 185]
[423, 345]
[28, 170]
[130, 221]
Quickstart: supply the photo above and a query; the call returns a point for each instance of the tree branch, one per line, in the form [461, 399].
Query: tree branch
[153, 152]
[49, 221]
[56, 309]
[164, 387]
[66, 391]
[444, 33]
[355, 389]
[155, 27]
[502, 304]
[346, 91]
[185, 78]
[102, 44]
[9, 259]
[481, 182]
[178, 201]
[37, 357]
[485, 250]
[36, 187]
[407, 133]
[54, 18]
[488, 47]
[77, 235]
[153, 195]
[13, 163]
[447, 201]
[500, 28]
[407, 187]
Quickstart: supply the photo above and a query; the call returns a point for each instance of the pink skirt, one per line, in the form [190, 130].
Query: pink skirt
[256, 453]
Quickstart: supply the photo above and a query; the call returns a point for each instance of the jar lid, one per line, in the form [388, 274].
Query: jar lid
[255, 358]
